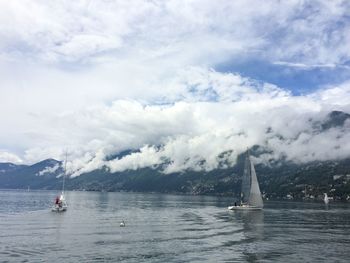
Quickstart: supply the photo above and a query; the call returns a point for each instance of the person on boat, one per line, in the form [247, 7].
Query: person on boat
[235, 203]
[57, 200]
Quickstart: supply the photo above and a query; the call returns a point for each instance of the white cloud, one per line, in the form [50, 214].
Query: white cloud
[48, 170]
[310, 66]
[335, 95]
[99, 77]
[136, 160]
[192, 132]
[191, 31]
[7, 157]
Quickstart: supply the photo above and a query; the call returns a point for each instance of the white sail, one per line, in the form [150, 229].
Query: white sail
[255, 198]
[246, 182]
[250, 193]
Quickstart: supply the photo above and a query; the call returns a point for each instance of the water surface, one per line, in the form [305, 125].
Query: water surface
[168, 228]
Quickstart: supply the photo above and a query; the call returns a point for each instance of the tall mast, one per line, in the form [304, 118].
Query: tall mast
[64, 172]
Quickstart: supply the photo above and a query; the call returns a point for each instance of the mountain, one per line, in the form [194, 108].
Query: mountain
[42, 175]
[335, 119]
[275, 182]
[278, 179]
[9, 167]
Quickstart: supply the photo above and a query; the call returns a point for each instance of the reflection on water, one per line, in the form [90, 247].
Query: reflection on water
[168, 228]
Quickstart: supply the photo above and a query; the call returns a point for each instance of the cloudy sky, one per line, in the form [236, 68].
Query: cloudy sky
[183, 81]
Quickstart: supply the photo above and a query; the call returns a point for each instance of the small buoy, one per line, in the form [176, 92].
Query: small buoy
[122, 224]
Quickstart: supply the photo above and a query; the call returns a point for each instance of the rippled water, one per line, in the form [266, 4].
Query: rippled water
[168, 228]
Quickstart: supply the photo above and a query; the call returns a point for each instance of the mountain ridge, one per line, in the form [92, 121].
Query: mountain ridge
[275, 182]
[278, 178]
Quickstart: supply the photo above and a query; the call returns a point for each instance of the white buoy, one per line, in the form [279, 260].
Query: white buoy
[326, 199]
[122, 224]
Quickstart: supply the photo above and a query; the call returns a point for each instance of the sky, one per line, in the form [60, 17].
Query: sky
[187, 83]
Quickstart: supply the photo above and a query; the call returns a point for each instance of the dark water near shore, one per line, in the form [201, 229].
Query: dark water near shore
[168, 228]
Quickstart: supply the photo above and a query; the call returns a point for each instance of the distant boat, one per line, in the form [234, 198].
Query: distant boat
[60, 201]
[250, 192]
[326, 199]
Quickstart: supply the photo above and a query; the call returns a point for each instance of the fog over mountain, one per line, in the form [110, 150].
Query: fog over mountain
[176, 85]
[192, 133]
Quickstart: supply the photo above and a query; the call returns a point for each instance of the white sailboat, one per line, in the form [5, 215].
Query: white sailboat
[250, 193]
[60, 201]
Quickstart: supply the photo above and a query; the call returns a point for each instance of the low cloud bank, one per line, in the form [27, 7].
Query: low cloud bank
[213, 118]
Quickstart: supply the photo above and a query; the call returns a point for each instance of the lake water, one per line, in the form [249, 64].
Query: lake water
[168, 228]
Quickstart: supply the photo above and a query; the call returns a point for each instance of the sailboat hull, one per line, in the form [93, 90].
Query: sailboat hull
[58, 209]
[244, 207]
